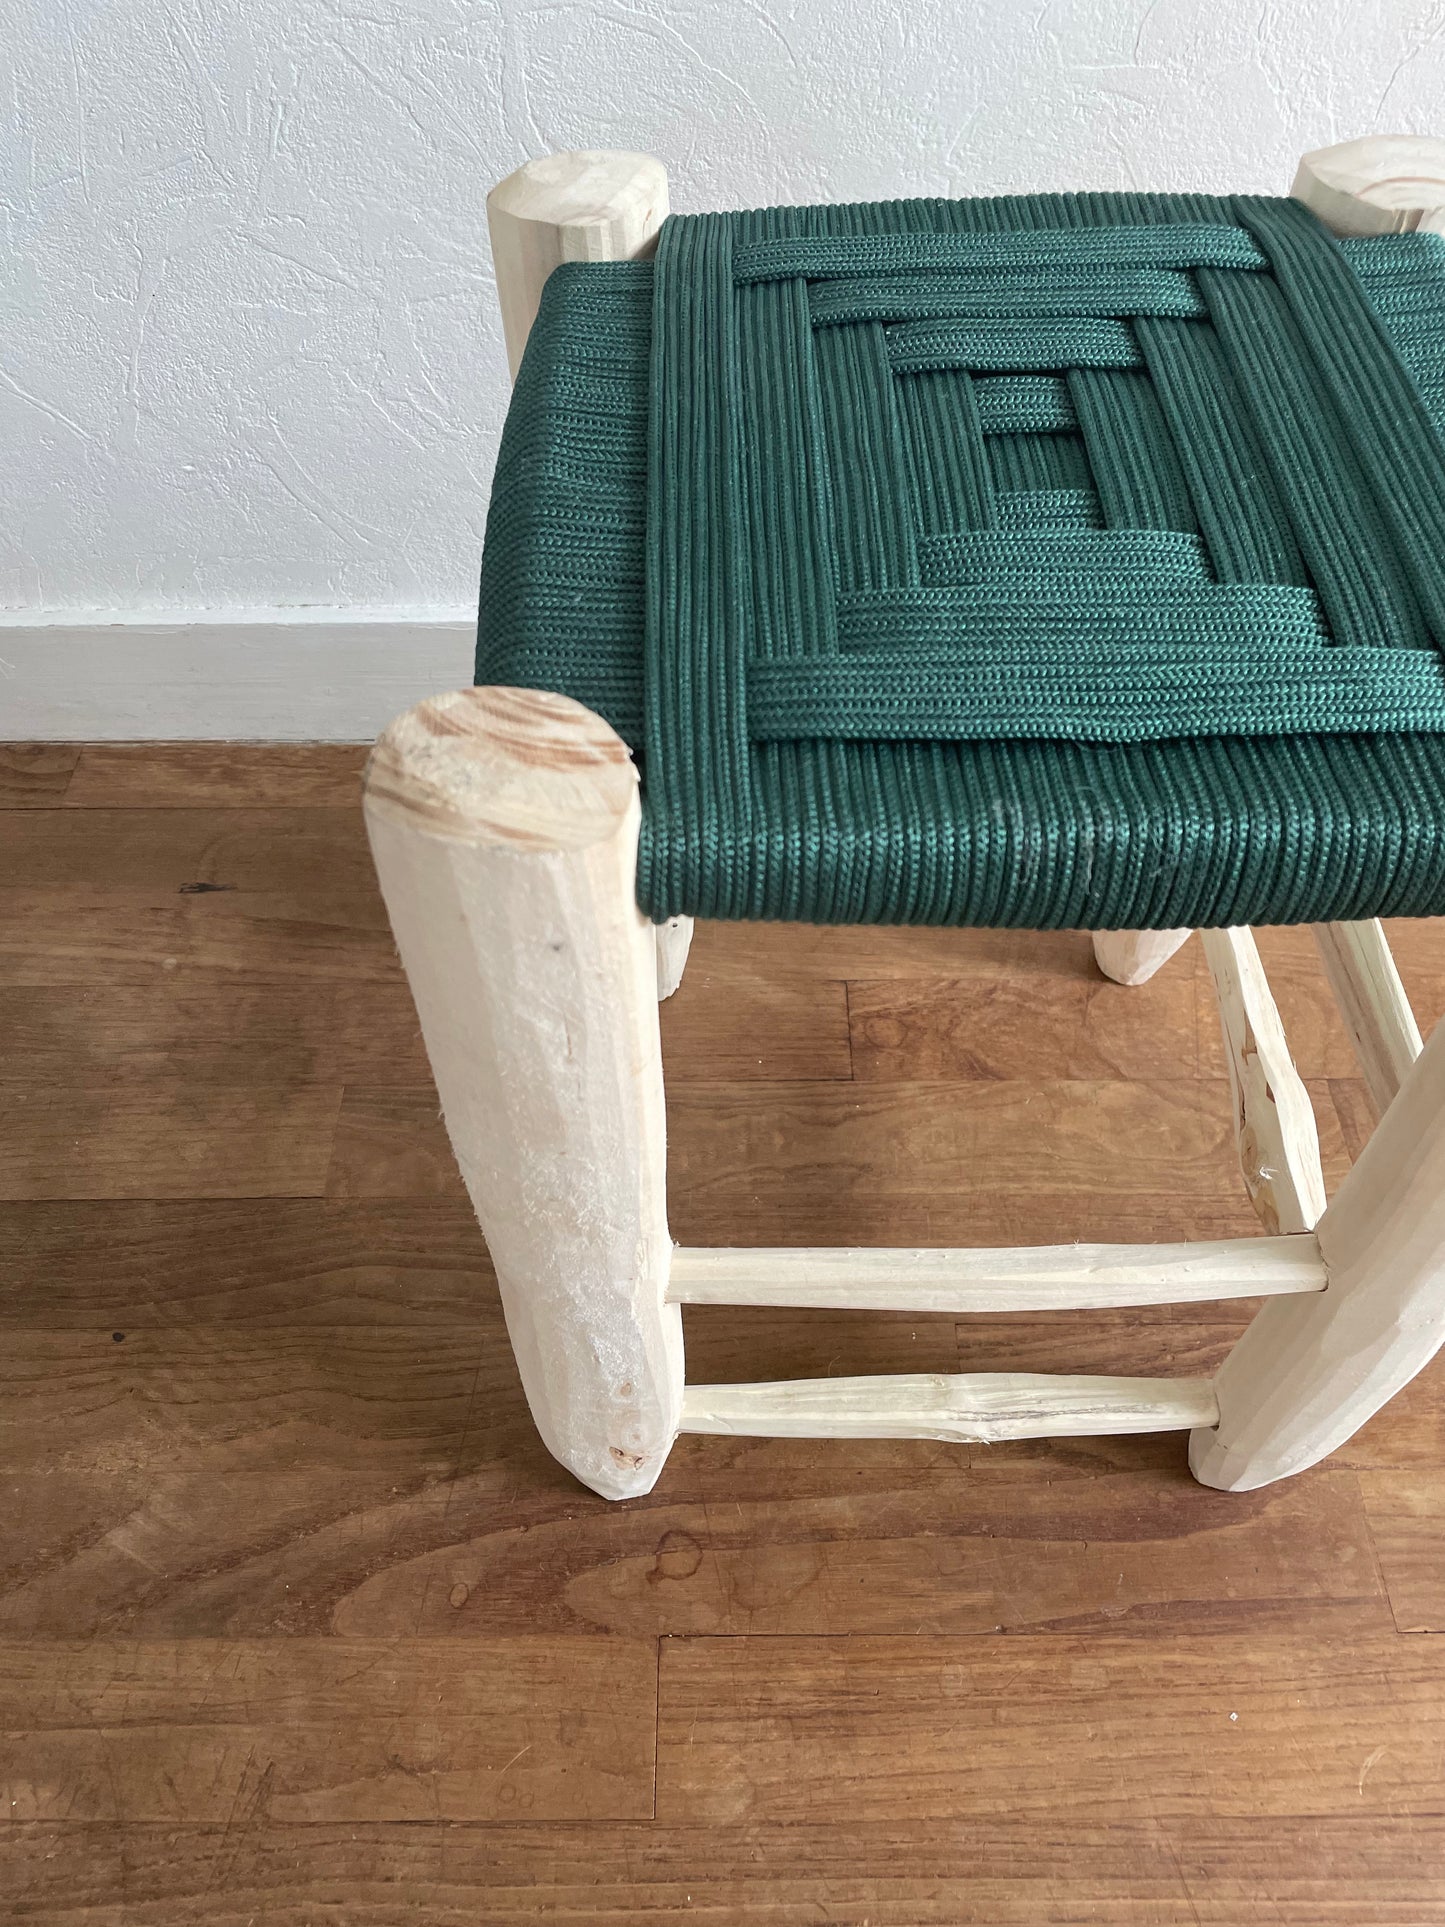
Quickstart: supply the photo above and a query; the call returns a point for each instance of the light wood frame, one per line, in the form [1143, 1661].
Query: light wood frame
[504, 825]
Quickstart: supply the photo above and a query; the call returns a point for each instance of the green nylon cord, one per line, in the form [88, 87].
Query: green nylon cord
[1024, 405]
[1025, 559]
[1172, 245]
[1048, 508]
[1023, 346]
[1063, 560]
[1032, 294]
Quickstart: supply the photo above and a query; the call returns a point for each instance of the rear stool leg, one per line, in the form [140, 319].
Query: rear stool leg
[504, 827]
[591, 205]
[1380, 184]
[1311, 1369]
[1132, 956]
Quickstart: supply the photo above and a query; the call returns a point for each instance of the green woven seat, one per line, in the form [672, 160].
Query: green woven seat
[1054, 561]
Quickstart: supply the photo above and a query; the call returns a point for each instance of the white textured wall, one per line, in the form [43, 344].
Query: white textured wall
[248, 357]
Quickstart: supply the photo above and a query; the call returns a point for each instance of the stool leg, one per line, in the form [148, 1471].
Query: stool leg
[674, 940]
[504, 826]
[594, 205]
[1132, 956]
[1382, 184]
[1311, 1369]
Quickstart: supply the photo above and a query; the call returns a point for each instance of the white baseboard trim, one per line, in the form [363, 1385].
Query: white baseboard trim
[278, 675]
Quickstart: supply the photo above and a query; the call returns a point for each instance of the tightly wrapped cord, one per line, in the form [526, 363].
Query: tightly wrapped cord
[1049, 561]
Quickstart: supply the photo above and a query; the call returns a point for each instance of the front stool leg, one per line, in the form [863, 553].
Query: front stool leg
[504, 825]
[1132, 956]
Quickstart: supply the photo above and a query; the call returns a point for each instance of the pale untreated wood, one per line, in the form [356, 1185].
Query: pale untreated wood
[1275, 1129]
[1372, 1001]
[1382, 184]
[1319, 1039]
[1025, 1278]
[591, 205]
[977, 1407]
[1133, 956]
[674, 940]
[504, 825]
[1305, 1376]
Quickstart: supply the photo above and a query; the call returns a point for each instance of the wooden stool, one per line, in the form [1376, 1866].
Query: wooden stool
[505, 827]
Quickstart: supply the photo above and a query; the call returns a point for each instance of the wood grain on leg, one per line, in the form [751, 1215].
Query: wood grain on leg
[581, 206]
[1383, 184]
[504, 825]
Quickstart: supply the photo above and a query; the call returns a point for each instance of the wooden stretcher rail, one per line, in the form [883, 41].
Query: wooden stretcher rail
[971, 1407]
[1030, 1278]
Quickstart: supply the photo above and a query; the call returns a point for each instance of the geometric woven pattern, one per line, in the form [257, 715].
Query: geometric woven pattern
[996, 551]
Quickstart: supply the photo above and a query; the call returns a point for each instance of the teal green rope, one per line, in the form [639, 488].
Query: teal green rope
[1024, 405]
[1221, 453]
[1039, 462]
[968, 558]
[1138, 472]
[1115, 603]
[1132, 693]
[1032, 294]
[951, 483]
[1048, 508]
[1020, 345]
[1170, 246]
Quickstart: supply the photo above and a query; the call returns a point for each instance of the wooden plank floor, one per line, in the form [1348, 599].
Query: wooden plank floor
[298, 1623]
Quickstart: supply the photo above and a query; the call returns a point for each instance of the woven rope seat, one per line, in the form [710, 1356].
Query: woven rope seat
[1060, 561]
